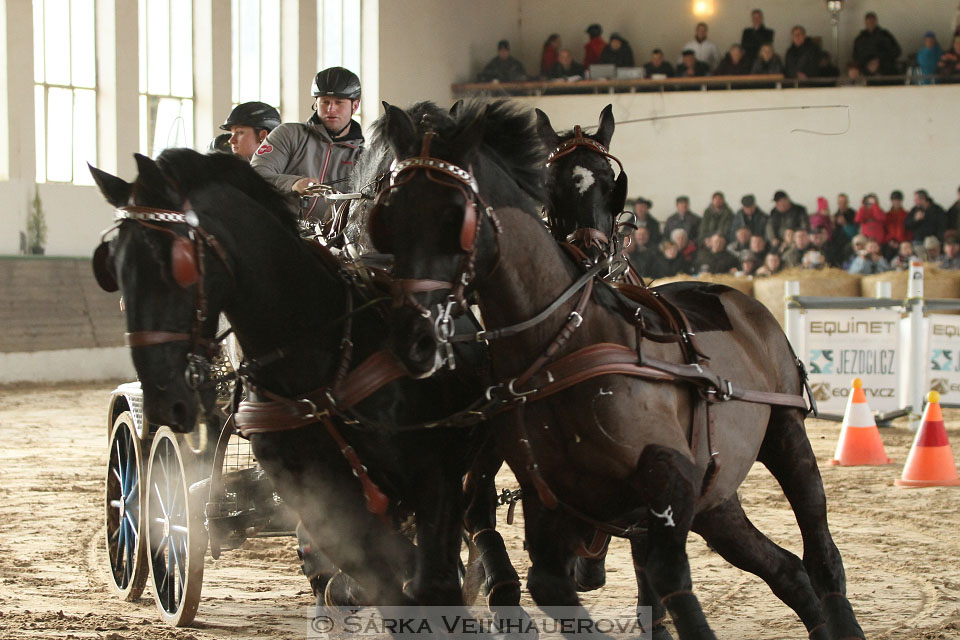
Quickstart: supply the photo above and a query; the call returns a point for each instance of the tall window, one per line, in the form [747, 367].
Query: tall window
[166, 75]
[338, 34]
[256, 51]
[65, 96]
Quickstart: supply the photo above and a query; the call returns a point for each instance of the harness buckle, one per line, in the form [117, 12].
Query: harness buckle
[576, 318]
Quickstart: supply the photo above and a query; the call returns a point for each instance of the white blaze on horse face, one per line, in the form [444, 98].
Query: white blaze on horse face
[666, 515]
[583, 178]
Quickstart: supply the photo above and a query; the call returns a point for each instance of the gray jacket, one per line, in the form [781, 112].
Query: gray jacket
[294, 150]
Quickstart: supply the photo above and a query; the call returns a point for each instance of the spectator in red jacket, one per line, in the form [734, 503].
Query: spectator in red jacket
[596, 45]
[872, 219]
[893, 226]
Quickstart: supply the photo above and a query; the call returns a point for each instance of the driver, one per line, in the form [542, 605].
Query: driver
[248, 124]
[323, 150]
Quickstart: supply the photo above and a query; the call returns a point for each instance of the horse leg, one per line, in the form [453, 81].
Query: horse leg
[786, 452]
[439, 511]
[665, 479]
[646, 596]
[590, 573]
[502, 584]
[730, 533]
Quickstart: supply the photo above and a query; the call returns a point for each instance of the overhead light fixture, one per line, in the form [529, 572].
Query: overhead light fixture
[834, 6]
[702, 8]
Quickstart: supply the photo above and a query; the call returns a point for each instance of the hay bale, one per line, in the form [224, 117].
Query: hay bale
[821, 282]
[741, 284]
[937, 283]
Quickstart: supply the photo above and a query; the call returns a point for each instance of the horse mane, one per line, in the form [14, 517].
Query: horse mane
[191, 171]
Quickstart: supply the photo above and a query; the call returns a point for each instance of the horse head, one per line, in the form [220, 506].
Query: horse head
[172, 287]
[586, 196]
[436, 215]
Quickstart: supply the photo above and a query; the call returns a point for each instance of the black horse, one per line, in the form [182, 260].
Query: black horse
[238, 250]
[614, 449]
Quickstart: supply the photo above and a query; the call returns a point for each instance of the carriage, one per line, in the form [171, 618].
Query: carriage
[178, 497]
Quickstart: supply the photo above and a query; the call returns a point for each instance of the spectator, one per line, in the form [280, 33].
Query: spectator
[813, 259]
[826, 68]
[869, 260]
[894, 230]
[595, 46]
[566, 68]
[876, 41]
[687, 249]
[951, 250]
[748, 263]
[929, 55]
[704, 50]
[716, 219]
[772, 264]
[949, 64]
[755, 36]
[749, 216]
[901, 261]
[767, 62]
[819, 237]
[822, 217]
[617, 52]
[859, 244]
[658, 66]
[853, 78]
[733, 64]
[641, 252]
[550, 54]
[740, 242]
[668, 261]
[931, 249]
[758, 244]
[845, 217]
[682, 219]
[714, 257]
[871, 68]
[953, 213]
[803, 57]
[872, 219]
[690, 67]
[925, 219]
[641, 210]
[793, 257]
[785, 215]
[504, 67]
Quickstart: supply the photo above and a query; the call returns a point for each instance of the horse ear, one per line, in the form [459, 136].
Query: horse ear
[115, 190]
[607, 124]
[617, 199]
[472, 135]
[400, 131]
[456, 108]
[547, 133]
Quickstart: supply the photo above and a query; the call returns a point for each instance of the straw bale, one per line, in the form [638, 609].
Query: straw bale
[820, 282]
[937, 283]
[740, 283]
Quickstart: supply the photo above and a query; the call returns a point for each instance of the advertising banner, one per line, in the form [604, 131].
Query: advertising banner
[942, 365]
[840, 345]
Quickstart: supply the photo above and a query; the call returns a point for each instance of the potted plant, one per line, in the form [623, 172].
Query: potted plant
[36, 226]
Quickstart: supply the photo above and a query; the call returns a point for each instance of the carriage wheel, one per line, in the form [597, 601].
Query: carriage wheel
[124, 512]
[175, 530]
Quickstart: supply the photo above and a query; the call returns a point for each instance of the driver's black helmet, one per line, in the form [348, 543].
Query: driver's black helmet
[337, 82]
[258, 115]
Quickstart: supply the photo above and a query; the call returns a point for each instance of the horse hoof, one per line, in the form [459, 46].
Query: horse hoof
[504, 594]
[660, 633]
[589, 574]
[344, 591]
[841, 621]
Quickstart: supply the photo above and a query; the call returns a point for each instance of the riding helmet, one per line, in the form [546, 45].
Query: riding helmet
[337, 82]
[258, 115]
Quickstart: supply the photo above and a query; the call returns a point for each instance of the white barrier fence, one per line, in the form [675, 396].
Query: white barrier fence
[899, 348]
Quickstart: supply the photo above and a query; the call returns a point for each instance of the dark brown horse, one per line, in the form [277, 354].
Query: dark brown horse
[612, 450]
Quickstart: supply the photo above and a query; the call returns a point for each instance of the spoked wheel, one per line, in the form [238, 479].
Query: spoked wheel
[126, 550]
[175, 531]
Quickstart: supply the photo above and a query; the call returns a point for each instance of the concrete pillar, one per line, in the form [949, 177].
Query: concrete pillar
[212, 68]
[118, 86]
[298, 58]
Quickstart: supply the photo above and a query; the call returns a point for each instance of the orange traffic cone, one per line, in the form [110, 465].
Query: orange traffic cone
[859, 442]
[930, 463]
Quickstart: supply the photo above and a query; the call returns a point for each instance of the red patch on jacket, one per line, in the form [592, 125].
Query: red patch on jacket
[264, 148]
